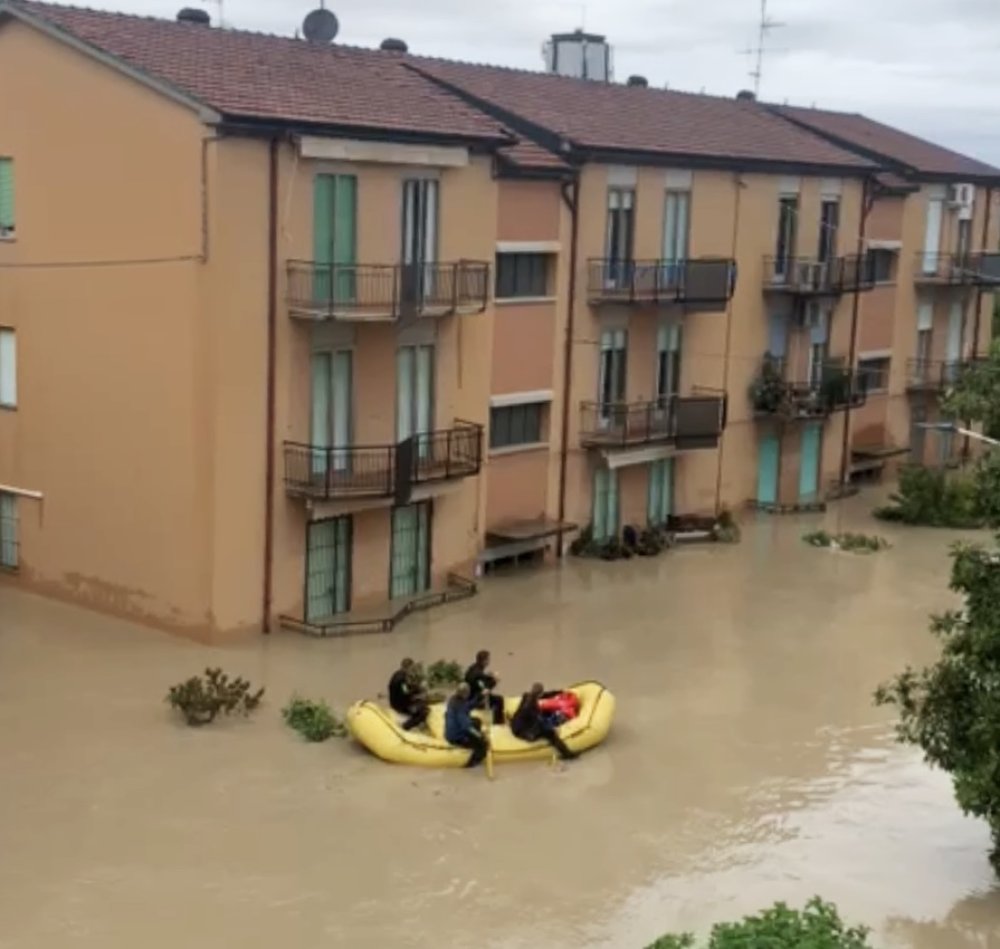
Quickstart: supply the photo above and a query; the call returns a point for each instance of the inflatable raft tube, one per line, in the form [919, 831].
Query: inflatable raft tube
[378, 729]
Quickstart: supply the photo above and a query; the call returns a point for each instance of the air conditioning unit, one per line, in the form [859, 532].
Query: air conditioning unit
[962, 196]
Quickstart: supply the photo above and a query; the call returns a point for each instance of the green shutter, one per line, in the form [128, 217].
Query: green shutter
[613, 515]
[6, 194]
[654, 505]
[323, 204]
[599, 513]
[345, 203]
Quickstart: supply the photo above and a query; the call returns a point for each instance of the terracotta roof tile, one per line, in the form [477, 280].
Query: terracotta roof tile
[892, 144]
[254, 75]
[528, 154]
[610, 116]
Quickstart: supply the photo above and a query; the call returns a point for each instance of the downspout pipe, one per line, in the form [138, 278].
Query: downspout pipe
[272, 333]
[571, 198]
[867, 200]
[983, 246]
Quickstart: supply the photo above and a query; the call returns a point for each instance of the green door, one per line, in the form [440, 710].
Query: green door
[410, 568]
[768, 459]
[661, 492]
[809, 462]
[331, 411]
[415, 395]
[605, 504]
[335, 239]
[328, 568]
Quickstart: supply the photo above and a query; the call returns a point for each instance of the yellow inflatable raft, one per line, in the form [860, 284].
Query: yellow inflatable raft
[378, 729]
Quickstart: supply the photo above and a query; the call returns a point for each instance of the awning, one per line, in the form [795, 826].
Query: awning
[641, 455]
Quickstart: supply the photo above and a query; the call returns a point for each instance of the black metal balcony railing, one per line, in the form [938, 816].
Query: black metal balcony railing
[935, 375]
[386, 291]
[836, 388]
[359, 471]
[705, 284]
[692, 422]
[968, 269]
[810, 276]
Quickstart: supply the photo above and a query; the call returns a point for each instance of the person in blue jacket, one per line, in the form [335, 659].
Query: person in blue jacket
[461, 729]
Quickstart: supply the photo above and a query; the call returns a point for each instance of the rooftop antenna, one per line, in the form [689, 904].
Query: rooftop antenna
[764, 27]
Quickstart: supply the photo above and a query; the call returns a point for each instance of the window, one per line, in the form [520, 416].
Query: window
[517, 424]
[676, 215]
[621, 221]
[788, 212]
[8, 368]
[668, 361]
[6, 197]
[882, 265]
[873, 372]
[604, 523]
[829, 223]
[523, 275]
[661, 491]
[964, 244]
[8, 530]
[611, 379]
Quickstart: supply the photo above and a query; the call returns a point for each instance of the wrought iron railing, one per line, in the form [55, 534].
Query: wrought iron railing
[834, 388]
[810, 276]
[935, 374]
[666, 419]
[338, 473]
[386, 291]
[706, 283]
[969, 269]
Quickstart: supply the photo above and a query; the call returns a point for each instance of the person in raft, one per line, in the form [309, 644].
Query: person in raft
[530, 723]
[481, 681]
[461, 729]
[407, 697]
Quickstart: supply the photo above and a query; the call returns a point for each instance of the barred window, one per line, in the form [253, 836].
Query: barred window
[8, 530]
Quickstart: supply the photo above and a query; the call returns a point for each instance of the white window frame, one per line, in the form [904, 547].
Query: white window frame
[8, 367]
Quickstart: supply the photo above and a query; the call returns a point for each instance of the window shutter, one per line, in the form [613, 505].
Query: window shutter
[8, 368]
[6, 194]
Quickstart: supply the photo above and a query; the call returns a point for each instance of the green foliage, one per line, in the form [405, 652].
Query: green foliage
[443, 673]
[314, 721]
[856, 543]
[726, 530]
[934, 498]
[975, 396]
[818, 926]
[201, 699]
[769, 391]
[952, 709]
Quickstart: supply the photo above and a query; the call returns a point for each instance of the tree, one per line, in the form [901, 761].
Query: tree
[976, 394]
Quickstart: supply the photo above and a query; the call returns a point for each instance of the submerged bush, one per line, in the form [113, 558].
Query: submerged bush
[856, 543]
[443, 673]
[314, 721]
[934, 498]
[818, 926]
[201, 699]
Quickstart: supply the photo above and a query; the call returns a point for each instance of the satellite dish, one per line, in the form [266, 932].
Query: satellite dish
[320, 26]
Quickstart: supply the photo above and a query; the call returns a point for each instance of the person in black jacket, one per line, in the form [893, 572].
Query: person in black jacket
[529, 724]
[407, 697]
[480, 682]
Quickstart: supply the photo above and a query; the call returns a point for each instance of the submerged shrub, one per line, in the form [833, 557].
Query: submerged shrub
[818, 926]
[934, 498]
[201, 698]
[314, 721]
[856, 543]
[443, 673]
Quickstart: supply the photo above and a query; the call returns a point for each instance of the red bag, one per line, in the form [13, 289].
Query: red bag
[565, 703]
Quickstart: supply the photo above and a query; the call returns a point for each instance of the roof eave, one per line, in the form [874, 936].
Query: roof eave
[205, 112]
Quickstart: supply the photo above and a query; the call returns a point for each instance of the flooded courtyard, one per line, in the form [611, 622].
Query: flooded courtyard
[746, 765]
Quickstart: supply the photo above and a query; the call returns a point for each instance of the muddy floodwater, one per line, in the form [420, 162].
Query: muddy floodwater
[746, 765]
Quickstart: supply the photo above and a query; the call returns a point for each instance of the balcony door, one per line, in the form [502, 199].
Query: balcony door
[420, 238]
[611, 377]
[819, 328]
[784, 250]
[335, 206]
[676, 217]
[619, 237]
[829, 225]
[932, 235]
[768, 468]
[812, 439]
[330, 434]
[410, 552]
[328, 568]
[925, 341]
[415, 395]
[668, 371]
[953, 343]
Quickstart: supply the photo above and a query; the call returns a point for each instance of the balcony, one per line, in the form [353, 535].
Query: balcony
[773, 395]
[811, 277]
[688, 423]
[957, 270]
[934, 375]
[383, 471]
[703, 284]
[385, 293]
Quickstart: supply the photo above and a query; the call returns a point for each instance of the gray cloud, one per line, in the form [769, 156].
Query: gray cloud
[925, 65]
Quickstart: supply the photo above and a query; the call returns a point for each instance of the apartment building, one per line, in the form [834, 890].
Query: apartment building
[932, 236]
[309, 335]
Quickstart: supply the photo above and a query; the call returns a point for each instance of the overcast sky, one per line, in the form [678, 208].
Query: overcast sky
[931, 67]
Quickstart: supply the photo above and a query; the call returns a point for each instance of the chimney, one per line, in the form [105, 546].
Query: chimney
[745, 95]
[193, 15]
[392, 45]
[640, 82]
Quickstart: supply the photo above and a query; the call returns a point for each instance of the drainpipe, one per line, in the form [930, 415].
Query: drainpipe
[272, 327]
[867, 200]
[571, 198]
[739, 185]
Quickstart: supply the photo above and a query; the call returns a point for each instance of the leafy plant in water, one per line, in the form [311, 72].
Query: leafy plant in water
[856, 543]
[934, 498]
[726, 530]
[443, 673]
[818, 926]
[314, 721]
[200, 699]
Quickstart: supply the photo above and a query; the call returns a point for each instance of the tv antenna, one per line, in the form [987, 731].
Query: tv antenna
[764, 27]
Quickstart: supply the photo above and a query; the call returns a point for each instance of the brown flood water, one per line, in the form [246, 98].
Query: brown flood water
[747, 765]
